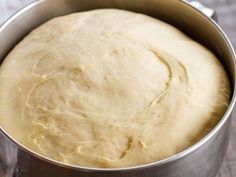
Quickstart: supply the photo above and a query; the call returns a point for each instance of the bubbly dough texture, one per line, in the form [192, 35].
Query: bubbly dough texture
[110, 88]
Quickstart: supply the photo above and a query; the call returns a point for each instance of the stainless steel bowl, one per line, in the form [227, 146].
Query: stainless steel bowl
[201, 160]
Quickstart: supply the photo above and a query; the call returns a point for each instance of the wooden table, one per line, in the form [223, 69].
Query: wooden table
[226, 11]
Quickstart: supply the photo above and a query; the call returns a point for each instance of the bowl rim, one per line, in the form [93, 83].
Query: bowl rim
[173, 158]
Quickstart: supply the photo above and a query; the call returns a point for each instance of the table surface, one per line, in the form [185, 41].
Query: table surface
[226, 12]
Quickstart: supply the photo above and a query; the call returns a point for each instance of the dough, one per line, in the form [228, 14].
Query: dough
[110, 88]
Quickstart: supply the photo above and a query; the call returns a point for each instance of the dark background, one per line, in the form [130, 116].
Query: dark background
[226, 12]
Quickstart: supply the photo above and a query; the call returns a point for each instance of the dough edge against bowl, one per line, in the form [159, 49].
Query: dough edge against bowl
[110, 88]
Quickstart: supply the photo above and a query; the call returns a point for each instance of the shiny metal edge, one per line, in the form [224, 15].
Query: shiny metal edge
[140, 167]
[19, 12]
[207, 11]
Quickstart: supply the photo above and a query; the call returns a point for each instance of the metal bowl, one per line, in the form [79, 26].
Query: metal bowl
[200, 160]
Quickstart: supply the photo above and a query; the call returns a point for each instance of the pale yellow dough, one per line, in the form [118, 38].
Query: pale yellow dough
[110, 88]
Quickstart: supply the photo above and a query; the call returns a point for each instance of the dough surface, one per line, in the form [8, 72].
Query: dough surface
[110, 88]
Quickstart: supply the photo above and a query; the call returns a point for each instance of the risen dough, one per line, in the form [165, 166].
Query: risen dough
[110, 88]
